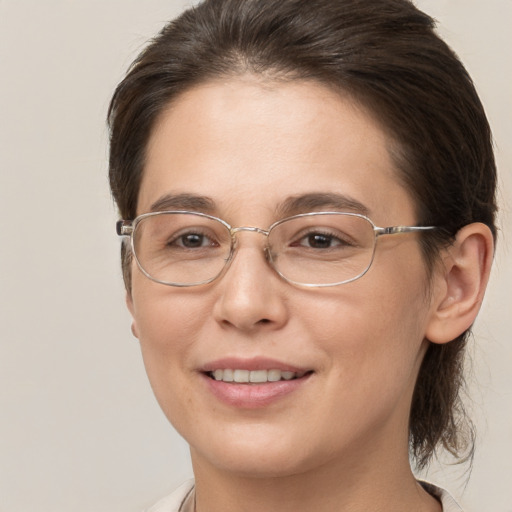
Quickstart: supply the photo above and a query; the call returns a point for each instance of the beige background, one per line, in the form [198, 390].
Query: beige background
[79, 428]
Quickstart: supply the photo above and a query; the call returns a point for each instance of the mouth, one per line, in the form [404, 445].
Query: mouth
[253, 383]
[240, 376]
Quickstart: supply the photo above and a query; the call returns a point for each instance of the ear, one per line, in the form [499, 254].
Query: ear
[131, 309]
[459, 285]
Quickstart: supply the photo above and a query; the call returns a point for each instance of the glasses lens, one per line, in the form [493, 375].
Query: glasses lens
[181, 248]
[322, 249]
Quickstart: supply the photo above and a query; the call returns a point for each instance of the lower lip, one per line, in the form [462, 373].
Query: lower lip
[253, 396]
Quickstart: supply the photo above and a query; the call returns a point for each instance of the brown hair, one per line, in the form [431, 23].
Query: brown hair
[386, 55]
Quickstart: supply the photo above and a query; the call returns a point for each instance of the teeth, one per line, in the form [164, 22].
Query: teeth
[258, 376]
[274, 375]
[254, 376]
[241, 375]
[227, 375]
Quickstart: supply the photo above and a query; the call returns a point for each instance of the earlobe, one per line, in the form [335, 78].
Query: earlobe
[130, 306]
[460, 284]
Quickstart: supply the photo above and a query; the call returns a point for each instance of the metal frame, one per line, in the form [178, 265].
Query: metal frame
[128, 227]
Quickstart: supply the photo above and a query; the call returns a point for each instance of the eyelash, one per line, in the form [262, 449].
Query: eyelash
[324, 233]
[181, 236]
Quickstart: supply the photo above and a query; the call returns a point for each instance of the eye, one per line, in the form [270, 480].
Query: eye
[192, 240]
[320, 240]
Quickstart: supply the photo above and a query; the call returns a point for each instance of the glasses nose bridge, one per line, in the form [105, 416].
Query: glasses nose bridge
[252, 229]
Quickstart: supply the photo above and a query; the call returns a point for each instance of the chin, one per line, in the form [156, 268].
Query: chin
[257, 456]
[250, 465]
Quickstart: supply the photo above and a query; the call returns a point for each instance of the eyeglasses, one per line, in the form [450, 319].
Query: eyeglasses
[182, 248]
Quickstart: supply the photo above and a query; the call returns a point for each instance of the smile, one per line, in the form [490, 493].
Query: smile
[253, 376]
[255, 382]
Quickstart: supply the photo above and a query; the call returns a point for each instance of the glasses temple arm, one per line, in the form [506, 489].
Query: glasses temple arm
[393, 230]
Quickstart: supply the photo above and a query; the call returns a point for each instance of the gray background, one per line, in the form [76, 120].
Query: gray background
[79, 427]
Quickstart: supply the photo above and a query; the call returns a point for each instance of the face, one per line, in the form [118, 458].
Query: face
[241, 150]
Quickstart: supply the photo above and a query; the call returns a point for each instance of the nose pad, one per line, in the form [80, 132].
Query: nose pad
[270, 258]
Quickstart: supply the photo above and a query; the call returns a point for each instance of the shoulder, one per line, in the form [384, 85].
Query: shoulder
[448, 503]
[174, 502]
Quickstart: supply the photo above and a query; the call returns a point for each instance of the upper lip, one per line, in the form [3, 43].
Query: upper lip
[254, 363]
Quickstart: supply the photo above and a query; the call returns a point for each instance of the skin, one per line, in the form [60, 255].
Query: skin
[339, 442]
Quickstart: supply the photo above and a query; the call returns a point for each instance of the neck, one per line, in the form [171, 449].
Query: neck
[348, 485]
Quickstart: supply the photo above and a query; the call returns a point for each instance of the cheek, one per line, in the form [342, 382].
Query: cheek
[167, 319]
[169, 325]
[366, 311]
[372, 330]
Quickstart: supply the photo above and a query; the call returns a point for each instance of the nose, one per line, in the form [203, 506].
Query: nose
[251, 294]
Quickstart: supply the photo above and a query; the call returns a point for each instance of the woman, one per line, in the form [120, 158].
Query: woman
[308, 187]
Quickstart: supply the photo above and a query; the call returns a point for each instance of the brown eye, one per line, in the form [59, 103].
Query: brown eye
[320, 241]
[193, 240]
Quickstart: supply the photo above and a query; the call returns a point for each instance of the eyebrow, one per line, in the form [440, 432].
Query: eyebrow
[292, 205]
[320, 201]
[191, 202]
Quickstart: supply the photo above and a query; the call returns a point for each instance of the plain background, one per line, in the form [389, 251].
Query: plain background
[79, 427]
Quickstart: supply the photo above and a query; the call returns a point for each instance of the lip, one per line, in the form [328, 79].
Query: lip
[254, 363]
[253, 396]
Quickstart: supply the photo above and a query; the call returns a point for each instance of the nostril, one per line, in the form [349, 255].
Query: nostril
[264, 321]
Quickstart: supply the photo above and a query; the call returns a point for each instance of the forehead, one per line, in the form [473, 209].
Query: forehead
[247, 144]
